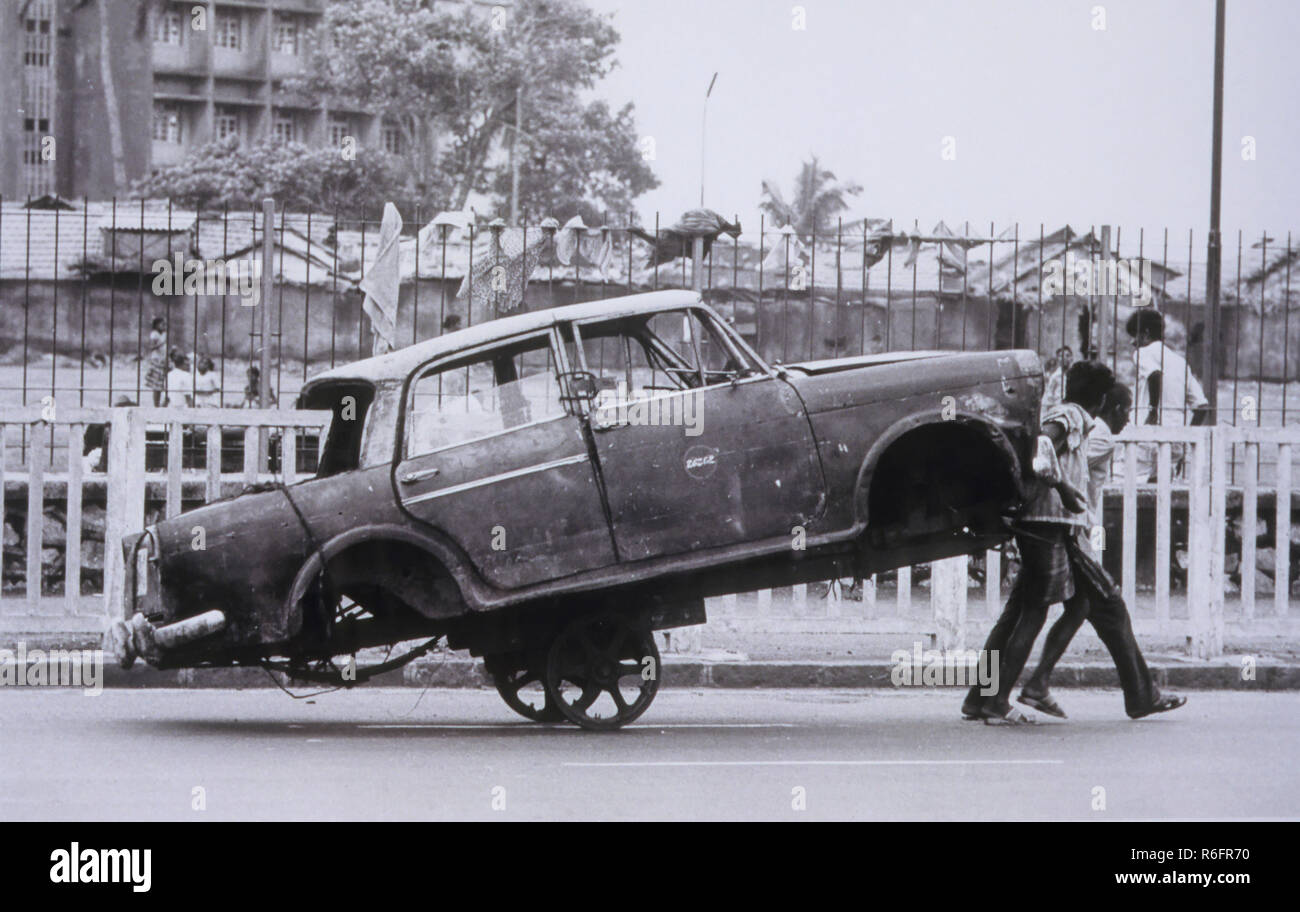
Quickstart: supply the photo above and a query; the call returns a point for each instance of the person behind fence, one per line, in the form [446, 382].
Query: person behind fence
[252, 390]
[1168, 393]
[180, 384]
[1054, 369]
[1096, 597]
[1054, 507]
[157, 362]
[207, 385]
[94, 443]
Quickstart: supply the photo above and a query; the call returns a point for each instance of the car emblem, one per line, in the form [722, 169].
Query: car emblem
[701, 461]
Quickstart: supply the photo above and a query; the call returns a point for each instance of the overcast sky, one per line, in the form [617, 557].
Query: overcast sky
[1052, 119]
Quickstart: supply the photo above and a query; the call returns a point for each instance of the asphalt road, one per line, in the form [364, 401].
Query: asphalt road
[443, 754]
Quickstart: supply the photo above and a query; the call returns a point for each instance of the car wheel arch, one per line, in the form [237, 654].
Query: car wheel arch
[439, 549]
[960, 422]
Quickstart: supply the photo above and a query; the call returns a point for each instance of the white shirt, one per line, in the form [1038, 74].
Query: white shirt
[1180, 391]
[207, 390]
[179, 385]
[1099, 448]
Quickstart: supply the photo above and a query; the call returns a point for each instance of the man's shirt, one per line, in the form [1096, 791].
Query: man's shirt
[1180, 391]
[1045, 503]
[179, 385]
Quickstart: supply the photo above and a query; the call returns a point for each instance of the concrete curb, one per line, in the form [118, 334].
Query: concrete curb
[685, 671]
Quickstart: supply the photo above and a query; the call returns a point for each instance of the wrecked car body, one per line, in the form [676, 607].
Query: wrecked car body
[546, 490]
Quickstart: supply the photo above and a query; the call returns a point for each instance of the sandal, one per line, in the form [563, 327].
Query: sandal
[1011, 716]
[1163, 705]
[1044, 704]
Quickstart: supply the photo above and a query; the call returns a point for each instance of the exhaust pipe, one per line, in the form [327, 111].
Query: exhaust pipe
[141, 639]
[190, 629]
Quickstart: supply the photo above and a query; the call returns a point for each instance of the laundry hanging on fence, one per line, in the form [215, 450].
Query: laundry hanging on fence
[679, 240]
[506, 258]
[382, 283]
[787, 251]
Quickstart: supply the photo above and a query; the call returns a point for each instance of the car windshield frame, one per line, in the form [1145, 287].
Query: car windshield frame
[656, 346]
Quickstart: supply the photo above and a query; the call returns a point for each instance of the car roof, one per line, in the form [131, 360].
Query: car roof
[398, 364]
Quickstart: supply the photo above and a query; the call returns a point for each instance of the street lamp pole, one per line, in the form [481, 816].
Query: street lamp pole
[1210, 351]
[704, 120]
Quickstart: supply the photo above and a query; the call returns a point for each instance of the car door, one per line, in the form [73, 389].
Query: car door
[492, 457]
[699, 445]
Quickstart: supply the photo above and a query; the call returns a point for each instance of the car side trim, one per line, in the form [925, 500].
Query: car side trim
[493, 479]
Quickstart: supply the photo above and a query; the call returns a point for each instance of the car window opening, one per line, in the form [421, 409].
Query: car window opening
[349, 401]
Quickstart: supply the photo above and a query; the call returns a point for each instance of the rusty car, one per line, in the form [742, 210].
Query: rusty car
[547, 489]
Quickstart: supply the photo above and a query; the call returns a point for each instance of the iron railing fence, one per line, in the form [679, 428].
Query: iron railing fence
[81, 287]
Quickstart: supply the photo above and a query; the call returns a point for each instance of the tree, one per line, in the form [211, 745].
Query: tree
[818, 200]
[578, 160]
[227, 174]
[464, 85]
[397, 59]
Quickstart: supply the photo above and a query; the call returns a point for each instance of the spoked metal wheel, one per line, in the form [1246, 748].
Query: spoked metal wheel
[602, 670]
[521, 684]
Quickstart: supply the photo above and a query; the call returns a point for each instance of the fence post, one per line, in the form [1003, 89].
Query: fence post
[1249, 529]
[1218, 509]
[903, 592]
[1282, 532]
[125, 508]
[948, 599]
[1205, 544]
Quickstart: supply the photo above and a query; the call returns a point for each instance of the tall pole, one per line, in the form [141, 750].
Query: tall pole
[514, 155]
[1099, 290]
[264, 361]
[704, 121]
[1210, 351]
[268, 286]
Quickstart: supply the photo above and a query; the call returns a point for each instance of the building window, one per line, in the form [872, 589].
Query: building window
[284, 40]
[38, 96]
[226, 124]
[392, 140]
[229, 31]
[340, 129]
[36, 43]
[167, 123]
[284, 129]
[167, 28]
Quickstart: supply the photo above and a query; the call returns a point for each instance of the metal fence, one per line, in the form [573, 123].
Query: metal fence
[1193, 555]
[78, 295]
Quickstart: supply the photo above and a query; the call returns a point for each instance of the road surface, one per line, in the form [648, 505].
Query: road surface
[712, 754]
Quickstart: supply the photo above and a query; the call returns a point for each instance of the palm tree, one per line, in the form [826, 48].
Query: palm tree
[818, 199]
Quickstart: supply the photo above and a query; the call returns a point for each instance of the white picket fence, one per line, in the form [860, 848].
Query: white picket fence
[1201, 491]
[41, 464]
[41, 458]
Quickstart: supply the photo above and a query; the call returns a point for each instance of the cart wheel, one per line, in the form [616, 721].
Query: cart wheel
[602, 670]
[523, 689]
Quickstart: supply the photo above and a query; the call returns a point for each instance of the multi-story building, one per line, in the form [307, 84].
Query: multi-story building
[182, 74]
